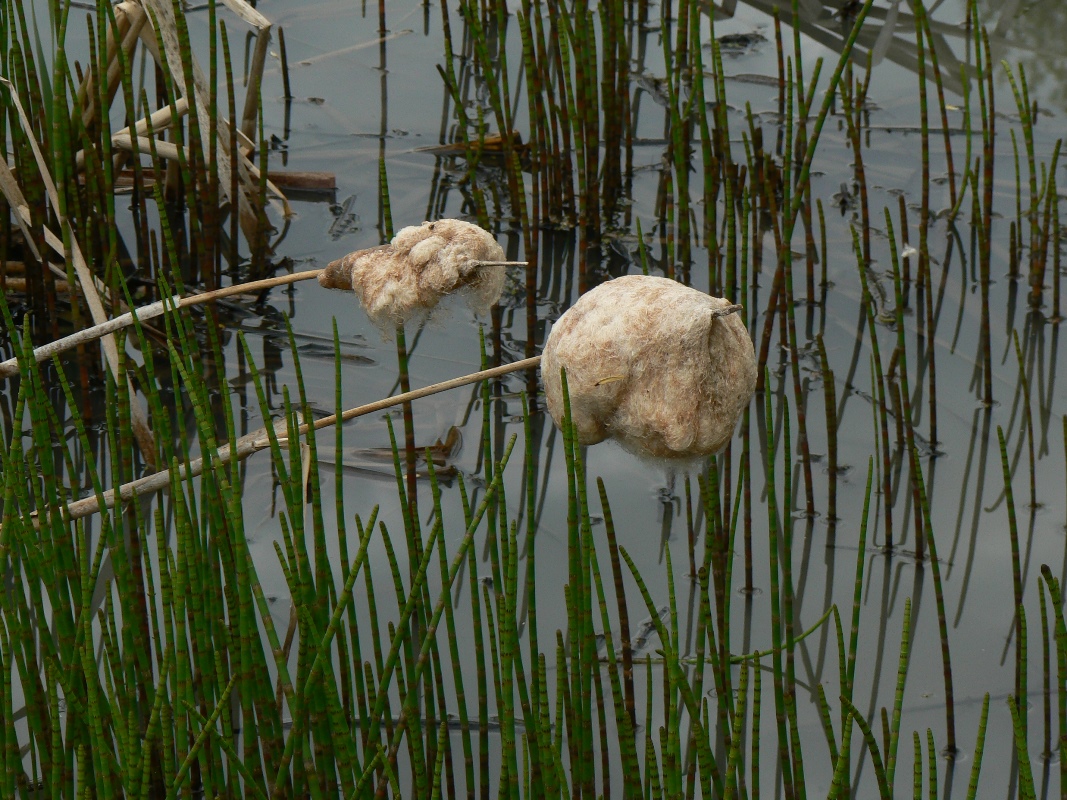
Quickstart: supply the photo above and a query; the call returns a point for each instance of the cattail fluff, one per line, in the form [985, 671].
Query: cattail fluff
[407, 278]
[663, 369]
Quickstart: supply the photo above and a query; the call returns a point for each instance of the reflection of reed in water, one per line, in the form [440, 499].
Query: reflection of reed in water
[888, 33]
[1033, 32]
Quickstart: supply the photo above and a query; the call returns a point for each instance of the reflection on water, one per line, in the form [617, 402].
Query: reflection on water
[1030, 35]
[1027, 35]
[956, 435]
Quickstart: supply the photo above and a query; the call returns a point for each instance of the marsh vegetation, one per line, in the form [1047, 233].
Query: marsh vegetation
[861, 594]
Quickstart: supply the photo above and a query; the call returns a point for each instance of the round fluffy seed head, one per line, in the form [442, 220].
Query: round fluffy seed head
[663, 369]
[407, 278]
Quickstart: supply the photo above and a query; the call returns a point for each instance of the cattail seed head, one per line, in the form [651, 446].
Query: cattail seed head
[407, 278]
[663, 369]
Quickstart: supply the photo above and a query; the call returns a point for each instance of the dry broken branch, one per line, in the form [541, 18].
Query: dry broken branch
[152, 310]
[260, 440]
[145, 313]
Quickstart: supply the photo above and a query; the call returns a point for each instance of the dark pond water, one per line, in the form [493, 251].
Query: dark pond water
[360, 96]
[358, 99]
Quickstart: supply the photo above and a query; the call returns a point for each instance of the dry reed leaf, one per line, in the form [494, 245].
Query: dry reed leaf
[305, 472]
[492, 144]
[9, 188]
[663, 369]
[407, 278]
[161, 17]
[130, 19]
[157, 122]
[259, 440]
[150, 311]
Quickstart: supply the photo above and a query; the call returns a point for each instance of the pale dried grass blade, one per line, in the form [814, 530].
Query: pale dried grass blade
[157, 122]
[248, 13]
[9, 187]
[164, 149]
[305, 471]
[263, 27]
[170, 151]
[161, 16]
[259, 440]
[130, 19]
[250, 118]
[45, 351]
[150, 311]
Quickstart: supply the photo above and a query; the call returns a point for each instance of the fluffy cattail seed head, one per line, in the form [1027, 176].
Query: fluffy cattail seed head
[407, 278]
[663, 369]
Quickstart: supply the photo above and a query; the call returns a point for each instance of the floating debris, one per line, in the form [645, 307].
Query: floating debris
[739, 44]
[489, 146]
[345, 218]
[663, 369]
[407, 278]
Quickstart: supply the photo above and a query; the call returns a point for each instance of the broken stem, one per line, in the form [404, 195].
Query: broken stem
[258, 440]
[145, 313]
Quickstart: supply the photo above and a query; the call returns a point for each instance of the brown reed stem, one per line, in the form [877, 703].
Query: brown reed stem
[285, 64]
[924, 21]
[257, 440]
[928, 290]
[853, 97]
[410, 454]
[988, 105]
[153, 310]
[145, 313]
[924, 125]
[1055, 248]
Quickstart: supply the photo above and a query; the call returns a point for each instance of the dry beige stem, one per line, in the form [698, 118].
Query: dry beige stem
[407, 278]
[145, 313]
[161, 18]
[260, 440]
[663, 369]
